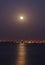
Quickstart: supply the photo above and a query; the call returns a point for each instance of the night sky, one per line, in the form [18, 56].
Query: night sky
[33, 27]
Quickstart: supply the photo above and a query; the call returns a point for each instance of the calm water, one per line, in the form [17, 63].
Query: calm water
[22, 54]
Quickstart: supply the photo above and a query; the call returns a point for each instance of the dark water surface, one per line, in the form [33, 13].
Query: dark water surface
[22, 54]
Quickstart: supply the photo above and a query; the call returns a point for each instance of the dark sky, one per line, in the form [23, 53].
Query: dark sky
[34, 25]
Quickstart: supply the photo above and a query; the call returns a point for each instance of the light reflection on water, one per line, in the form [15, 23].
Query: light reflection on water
[21, 55]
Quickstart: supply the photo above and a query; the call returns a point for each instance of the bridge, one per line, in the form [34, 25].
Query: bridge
[24, 41]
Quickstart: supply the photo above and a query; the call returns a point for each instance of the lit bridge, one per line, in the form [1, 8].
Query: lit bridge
[23, 41]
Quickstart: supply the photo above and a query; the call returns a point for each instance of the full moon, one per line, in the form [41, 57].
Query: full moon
[21, 17]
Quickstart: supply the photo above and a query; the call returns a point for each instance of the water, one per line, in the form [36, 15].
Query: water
[22, 54]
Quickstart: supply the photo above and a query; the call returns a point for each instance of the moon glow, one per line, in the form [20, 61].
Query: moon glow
[21, 17]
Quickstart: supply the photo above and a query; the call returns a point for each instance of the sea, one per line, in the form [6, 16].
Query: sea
[22, 54]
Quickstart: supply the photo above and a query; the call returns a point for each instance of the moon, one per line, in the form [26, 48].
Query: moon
[21, 17]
